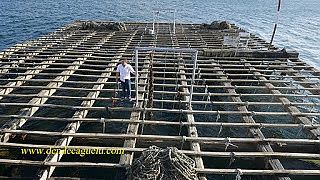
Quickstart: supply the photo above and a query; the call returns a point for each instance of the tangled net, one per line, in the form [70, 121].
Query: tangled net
[99, 26]
[217, 25]
[162, 164]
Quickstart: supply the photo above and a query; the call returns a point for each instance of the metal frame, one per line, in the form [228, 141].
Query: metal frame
[168, 10]
[194, 53]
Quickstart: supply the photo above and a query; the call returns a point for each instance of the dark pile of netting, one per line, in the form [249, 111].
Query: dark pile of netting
[99, 26]
[217, 25]
[162, 164]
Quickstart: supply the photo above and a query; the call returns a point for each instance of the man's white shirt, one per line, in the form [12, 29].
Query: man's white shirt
[125, 71]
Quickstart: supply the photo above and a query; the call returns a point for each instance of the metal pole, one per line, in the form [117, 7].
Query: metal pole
[137, 78]
[154, 21]
[275, 25]
[194, 58]
[174, 22]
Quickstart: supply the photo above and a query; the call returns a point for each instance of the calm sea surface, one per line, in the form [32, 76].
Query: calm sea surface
[299, 22]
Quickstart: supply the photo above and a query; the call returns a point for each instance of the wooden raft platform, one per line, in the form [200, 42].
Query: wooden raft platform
[254, 110]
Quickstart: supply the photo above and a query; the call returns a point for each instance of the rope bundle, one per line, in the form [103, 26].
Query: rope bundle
[162, 164]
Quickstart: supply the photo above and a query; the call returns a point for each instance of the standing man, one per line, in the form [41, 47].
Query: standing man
[124, 69]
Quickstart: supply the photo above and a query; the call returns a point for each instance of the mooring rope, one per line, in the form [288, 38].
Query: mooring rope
[232, 159]
[220, 130]
[239, 173]
[115, 94]
[162, 164]
[276, 24]
[301, 127]
[180, 117]
[228, 143]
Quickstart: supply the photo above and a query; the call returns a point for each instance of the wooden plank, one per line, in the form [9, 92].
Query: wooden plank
[187, 152]
[212, 140]
[74, 126]
[19, 122]
[299, 172]
[9, 87]
[44, 46]
[293, 110]
[256, 132]
[230, 86]
[192, 130]
[133, 127]
[164, 122]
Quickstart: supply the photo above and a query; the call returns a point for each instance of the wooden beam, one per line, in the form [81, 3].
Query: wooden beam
[74, 126]
[133, 128]
[293, 110]
[9, 87]
[19, 122]
[256, 132]
[192, 129]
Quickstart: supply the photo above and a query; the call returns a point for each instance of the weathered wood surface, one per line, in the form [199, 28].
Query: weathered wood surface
[45, 69]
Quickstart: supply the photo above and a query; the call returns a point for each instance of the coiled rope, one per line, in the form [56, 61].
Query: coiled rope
[162, 164]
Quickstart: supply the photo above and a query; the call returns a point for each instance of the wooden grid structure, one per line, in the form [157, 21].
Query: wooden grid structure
[254, 111]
